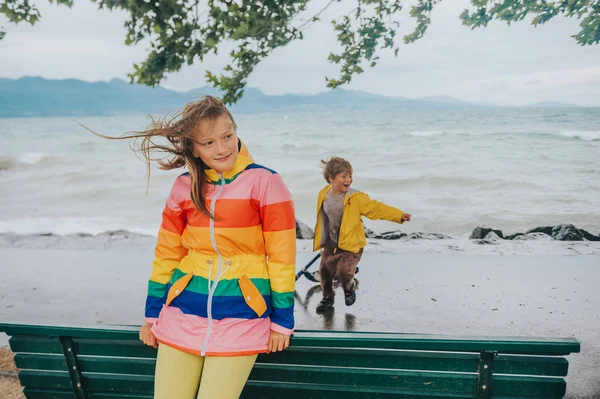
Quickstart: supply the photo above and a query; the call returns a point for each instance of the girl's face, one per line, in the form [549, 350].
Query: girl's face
[216, 143]
[341, 182]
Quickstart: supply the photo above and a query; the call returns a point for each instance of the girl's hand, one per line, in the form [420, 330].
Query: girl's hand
[146, 335]
[406, 217]
[278, 342]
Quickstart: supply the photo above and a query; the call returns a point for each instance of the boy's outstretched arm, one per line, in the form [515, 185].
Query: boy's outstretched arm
[376, 210]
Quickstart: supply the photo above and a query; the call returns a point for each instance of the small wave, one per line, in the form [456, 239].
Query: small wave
[123, 239]
[440, 181]
[425, 133]
[115, 234]
[62, 226]
[586, 135]
[33, 158]
[298, 146]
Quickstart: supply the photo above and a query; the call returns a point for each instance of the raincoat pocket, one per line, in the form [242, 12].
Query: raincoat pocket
[252, 296]
[178, 287]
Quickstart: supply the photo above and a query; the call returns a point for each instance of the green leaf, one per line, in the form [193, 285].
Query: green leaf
[210, 42]
[241, 30]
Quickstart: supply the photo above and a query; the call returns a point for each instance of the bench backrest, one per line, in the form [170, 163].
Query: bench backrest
[69, 362]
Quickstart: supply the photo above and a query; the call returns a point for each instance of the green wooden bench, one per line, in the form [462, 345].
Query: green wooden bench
[107, 363]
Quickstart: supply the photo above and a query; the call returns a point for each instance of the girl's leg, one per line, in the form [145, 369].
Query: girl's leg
[177, 373]
[224, 377]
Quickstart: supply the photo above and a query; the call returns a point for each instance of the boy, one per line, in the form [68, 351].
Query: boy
[340, 231]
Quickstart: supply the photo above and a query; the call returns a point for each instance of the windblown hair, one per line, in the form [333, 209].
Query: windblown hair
[179, 131]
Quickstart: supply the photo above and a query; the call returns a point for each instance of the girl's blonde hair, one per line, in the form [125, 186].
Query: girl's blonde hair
[179, 131]
[334, 167]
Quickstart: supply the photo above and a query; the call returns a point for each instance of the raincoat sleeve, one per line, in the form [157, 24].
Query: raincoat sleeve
[168, 252]
[279, 233]
[376, 210]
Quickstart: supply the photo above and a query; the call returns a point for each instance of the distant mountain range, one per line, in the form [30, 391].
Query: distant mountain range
[35, 96]
[553, 104]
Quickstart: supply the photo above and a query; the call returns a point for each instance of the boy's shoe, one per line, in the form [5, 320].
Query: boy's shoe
[325, 305]
[350, 296]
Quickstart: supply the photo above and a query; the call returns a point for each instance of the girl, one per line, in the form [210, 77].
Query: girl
[222, 282]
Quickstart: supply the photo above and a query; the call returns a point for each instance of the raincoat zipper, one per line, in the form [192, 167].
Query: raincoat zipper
[212, 289]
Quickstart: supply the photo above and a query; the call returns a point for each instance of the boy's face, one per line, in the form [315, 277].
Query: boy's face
[341, 182]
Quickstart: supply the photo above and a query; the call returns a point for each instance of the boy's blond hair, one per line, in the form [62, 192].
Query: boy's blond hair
[334, 167]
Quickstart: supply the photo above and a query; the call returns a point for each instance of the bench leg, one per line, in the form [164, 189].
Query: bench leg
[485, 372]
[74, 371]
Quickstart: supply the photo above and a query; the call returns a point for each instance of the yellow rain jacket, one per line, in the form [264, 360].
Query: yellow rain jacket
[352, 231]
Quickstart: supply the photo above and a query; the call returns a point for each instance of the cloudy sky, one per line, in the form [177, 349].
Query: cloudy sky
[508, 65]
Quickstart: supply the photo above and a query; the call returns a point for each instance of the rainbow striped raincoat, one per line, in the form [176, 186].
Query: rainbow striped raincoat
[219, 286]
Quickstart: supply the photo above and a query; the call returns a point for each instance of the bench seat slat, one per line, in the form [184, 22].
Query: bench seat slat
[531, 365]
[91, 364]
[40, 361]
[345, 376]
[374, 358]
[294, 390]
[94, 382]
[35, 344]
[511, 385]
[417, 360]
[118, 348]
[513, 345]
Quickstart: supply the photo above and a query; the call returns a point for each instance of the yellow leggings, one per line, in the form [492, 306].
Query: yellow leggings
[178, 375]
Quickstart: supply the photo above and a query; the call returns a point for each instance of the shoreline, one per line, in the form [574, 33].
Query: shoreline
[415, 243]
